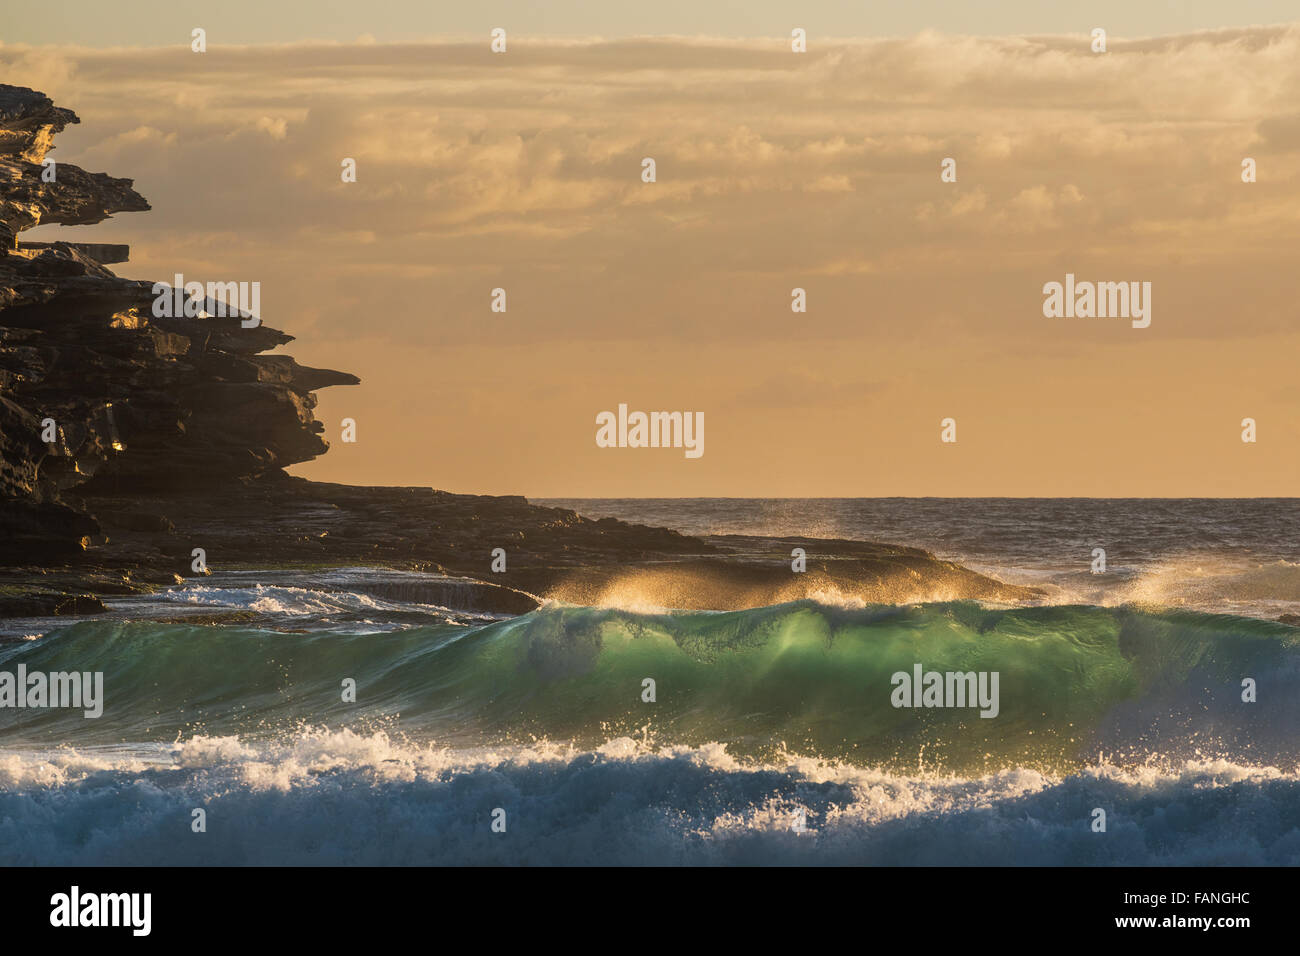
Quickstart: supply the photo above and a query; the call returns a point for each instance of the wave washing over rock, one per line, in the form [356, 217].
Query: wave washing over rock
[772, 734]
[171, 433]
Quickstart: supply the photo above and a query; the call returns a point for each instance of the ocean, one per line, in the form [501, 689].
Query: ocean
[1221, 555]
[767, 736]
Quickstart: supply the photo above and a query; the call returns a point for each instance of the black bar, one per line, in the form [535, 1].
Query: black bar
[966, 906]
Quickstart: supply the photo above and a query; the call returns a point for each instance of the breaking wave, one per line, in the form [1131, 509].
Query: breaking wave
[771, 738]
[1074, 682]
[325, 798]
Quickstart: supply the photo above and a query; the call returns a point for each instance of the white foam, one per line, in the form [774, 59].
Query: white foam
[342, 797]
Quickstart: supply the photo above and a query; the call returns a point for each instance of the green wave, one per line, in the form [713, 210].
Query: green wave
[805, 677]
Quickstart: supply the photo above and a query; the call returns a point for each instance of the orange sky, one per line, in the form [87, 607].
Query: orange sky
[774, 170]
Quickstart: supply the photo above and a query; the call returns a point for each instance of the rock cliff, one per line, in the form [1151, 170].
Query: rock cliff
[98, 393]
[129, 439]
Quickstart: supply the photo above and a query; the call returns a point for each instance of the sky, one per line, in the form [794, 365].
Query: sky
[160, 22]
[774, 170]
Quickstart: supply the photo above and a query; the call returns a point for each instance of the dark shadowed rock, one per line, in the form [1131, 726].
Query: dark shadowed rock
[105, 253]
[97, 393]
[127, 440]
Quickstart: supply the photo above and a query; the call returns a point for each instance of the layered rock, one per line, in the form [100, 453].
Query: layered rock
[95, 391]
[129, 442]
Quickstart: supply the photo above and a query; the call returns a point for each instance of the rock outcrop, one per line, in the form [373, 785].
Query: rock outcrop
[131, 441]
[96, 392]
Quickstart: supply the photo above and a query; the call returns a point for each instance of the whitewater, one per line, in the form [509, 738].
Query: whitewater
[771, 738]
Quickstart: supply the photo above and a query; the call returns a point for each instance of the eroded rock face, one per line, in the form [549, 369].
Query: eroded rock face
[28, 122]
[95, 392]
[128, 441]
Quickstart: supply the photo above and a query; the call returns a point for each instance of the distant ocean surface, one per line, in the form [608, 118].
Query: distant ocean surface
[1237, 556]
[772, 738]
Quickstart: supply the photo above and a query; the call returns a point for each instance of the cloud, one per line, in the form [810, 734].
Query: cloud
[775, 171]
[527, 166]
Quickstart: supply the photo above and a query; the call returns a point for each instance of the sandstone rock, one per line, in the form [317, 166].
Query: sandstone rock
[28, 122]
[133, 400]
[127, 440]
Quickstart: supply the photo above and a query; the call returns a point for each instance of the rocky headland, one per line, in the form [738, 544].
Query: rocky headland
[128, 441]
